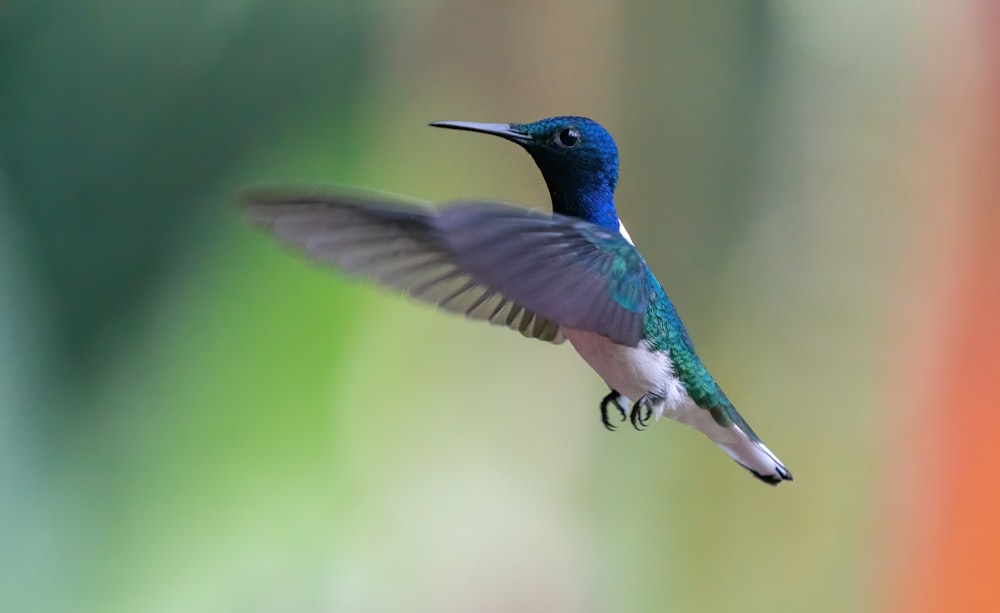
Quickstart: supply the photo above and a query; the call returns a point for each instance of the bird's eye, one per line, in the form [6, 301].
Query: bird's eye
[567, 137]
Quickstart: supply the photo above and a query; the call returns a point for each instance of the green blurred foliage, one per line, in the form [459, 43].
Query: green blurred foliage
[118, 118]
[193, 420]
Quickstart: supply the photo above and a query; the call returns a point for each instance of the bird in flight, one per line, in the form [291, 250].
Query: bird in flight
[573, 275]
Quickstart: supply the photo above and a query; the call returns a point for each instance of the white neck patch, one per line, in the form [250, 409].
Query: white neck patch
[624, 233]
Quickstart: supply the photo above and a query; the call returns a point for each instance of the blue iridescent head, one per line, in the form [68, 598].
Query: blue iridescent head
[577, 158]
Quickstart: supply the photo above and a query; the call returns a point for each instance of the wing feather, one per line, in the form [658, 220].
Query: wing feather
[511, 266]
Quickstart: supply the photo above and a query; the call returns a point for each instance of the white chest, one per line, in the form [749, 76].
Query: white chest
[632, 371]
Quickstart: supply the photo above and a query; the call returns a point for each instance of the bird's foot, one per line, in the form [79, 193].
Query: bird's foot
[611, 398]
[643, 404]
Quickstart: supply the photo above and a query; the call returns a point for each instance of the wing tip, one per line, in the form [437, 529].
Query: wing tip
[275, 194]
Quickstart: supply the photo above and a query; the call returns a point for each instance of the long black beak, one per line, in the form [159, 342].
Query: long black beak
[503, 130]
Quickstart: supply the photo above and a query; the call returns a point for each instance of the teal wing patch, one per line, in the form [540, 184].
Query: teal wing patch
[570, 271]
[626, 270]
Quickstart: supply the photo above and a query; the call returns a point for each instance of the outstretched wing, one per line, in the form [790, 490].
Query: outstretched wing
[507, 265]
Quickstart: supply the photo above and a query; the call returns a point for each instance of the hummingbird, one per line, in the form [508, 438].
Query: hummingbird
[571, 275]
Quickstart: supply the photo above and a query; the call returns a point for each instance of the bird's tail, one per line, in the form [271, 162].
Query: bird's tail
[732, 434]
[752, 454]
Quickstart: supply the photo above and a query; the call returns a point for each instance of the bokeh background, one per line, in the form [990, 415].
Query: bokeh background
[192, 419]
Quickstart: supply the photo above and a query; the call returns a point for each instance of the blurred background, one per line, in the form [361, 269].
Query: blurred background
[192, 419]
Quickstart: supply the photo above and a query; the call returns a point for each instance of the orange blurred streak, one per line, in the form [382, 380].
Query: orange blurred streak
[946, 516]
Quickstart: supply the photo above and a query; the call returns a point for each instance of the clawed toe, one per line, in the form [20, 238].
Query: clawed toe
[611, 398]
[638, 419]
[641, 413]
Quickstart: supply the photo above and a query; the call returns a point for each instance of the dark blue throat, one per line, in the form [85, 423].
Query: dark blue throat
[583, 188]
[593, 203]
